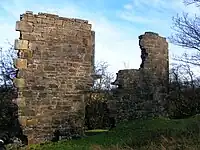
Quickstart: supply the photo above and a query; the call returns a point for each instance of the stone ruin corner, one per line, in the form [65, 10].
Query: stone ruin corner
[133, 100]
[149, 44]
[56, 68]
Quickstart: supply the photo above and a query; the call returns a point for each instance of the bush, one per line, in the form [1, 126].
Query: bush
[184, 92]
[184, 102]
[6, 105]
[96, 111]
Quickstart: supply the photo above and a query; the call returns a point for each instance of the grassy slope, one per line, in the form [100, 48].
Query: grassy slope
[153, 134]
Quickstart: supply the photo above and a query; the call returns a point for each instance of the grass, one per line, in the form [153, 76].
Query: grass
[95, 132]
[154, 134]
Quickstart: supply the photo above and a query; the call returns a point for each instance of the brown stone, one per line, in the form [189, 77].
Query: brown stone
[27, 93]
[27, 112]
[24, 26]
[53, 86]
[49, 68]
[21, 102]
[42, 95]
[19, 82]
[27, 54]
[140, 91]
[20, 63]
[21, 44]
[31, 122]
[32, 36]
[38, 87]
[22, 120]
[54, 50]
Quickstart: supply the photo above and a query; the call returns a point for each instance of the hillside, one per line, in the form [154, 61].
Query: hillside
[152, 134]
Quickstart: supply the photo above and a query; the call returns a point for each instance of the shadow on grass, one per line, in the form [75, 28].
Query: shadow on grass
[136, 135]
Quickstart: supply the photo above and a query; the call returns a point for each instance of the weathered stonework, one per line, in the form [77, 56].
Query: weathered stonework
[141, 93]
[56, 60]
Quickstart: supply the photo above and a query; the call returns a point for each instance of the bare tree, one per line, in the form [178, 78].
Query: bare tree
[189, 2]
[104, 82]
[187, 34]
[10, 127]
[96, 108]
[187, 31]
[7, 69]
[183, 92]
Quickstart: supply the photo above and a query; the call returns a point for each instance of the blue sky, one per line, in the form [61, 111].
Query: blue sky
[117, 23]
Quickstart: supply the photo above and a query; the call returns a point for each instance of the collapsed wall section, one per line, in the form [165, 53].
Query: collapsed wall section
[56, 60]
[154, 54]
[126, 78]
[142, 93]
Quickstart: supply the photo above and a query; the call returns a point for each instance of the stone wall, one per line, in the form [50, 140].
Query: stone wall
[56, 58]
[141, 93]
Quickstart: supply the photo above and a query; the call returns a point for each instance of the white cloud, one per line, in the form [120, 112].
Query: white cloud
[113, 43]
[128, 6]
[130, 16]
[115, 46]
[174, 6]
[155, 11]
[116, 42]
[9, 34]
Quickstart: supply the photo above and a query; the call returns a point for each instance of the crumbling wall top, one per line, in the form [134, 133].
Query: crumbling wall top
[45, 19]
[126, 77]
[150, 35]
[45, 15]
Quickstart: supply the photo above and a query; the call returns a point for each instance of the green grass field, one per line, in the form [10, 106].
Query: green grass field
[155, 134]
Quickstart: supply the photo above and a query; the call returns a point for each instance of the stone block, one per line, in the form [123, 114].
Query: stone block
[32, 46]
[25, 111]
[31, 122]
[59, 22]
[27, 54]
[24, 26]
[29, 12]
[21, 44]
[22, 120]
[31, 36]
[21, 102]
[19, 82]
[20, 63]
[49, 68]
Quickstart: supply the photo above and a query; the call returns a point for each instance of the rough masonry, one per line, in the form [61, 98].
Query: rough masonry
[56, 61]
[141, 93]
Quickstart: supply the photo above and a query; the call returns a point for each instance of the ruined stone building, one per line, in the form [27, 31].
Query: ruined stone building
[56, 59]
[56, 64]
[141, 93]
